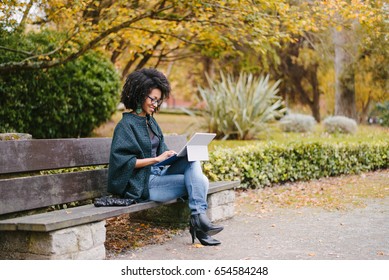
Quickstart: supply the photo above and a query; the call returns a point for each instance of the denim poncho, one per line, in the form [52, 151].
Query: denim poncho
[131, 141]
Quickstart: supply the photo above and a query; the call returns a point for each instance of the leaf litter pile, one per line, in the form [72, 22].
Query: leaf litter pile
[333, 194]
[125, 234]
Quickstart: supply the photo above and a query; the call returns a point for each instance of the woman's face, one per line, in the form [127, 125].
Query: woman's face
[151, 102]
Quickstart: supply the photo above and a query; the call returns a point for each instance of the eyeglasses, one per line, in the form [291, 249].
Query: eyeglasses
[155, 101]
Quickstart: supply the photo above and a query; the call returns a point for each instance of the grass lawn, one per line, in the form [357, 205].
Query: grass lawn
[185, 124]
[170, 124]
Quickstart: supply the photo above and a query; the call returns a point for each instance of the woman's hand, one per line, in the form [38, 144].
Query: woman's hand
[165, 155]
[150, 161]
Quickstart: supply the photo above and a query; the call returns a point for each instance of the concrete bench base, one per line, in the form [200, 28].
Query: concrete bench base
[79, 242]
[221, 205]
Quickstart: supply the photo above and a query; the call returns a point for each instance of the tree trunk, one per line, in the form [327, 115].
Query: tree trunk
[365, 110]
[300, 81]
[209, 68]
[315, 107]
[345, 104]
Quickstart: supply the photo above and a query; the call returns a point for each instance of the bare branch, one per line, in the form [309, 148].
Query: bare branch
[16, 51]
[25, 14]
[189, 19]
[168, 34]
[179, 57]
[27, 64]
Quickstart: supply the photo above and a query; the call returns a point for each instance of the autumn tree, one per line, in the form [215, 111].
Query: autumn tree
[351, 34]
[296, 61]
[354, 24]
[299, 67]
[133, 32]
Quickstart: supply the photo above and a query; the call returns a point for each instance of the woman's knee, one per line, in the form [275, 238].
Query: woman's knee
[206, 183]
[206, 180]
[195, 166]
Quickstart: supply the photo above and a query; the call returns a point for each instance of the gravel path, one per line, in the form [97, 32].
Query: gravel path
[288, 234]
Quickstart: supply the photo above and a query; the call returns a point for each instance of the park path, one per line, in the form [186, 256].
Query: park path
[287, 234]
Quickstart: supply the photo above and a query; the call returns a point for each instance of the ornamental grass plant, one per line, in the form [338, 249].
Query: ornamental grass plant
[240, 108]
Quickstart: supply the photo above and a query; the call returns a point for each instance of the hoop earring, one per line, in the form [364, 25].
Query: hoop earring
[138, 110]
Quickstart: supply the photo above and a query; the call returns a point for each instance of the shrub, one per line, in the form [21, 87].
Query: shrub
[240, 108]
[380, 114]
[340, 124]
[262, 165]
[297, 123]
[66, 101]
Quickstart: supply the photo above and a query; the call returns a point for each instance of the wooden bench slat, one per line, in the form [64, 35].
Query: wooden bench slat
[43, 154]
[71, 217]
[88, 213]
[33, 192]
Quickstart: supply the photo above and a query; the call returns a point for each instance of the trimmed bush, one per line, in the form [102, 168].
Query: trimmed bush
[380, 114]
[297, 123]
[66, 101]
[262, 165]
[340, 124]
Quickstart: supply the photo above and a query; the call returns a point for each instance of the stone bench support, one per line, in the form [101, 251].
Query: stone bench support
[221, 205]
[78, 242]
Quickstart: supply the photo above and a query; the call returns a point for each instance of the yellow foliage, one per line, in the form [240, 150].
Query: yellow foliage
[366, 87]
[327, 87]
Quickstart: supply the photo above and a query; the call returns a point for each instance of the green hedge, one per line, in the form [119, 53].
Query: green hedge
[262, 165]
[66, 101]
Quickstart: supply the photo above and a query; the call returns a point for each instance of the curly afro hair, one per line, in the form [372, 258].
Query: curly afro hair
[140, 83]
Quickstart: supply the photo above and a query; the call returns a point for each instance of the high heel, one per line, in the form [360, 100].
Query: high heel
[204, 238]
[192, 231]
[202, 223]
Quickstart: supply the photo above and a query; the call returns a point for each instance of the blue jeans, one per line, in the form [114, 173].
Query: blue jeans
[182, 178]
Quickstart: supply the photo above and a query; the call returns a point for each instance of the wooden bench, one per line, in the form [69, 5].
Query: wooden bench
[30, 193]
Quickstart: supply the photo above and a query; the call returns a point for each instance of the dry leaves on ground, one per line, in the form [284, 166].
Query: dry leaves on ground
[336, 193]
[124, 234]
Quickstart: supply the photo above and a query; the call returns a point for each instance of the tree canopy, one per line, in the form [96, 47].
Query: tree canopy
[133, 29]
[241, 34]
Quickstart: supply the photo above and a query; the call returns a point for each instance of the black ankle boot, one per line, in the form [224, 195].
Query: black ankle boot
[204, 238]
[200, 222]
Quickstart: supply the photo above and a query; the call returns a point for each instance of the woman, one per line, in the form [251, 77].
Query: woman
[138, 144]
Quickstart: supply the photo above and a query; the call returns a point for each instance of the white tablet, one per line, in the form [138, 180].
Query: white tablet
[196, 149]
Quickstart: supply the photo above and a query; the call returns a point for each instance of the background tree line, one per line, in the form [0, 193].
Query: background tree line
[324, 51]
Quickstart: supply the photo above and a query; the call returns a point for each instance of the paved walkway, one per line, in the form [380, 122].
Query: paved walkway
[288, 234]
